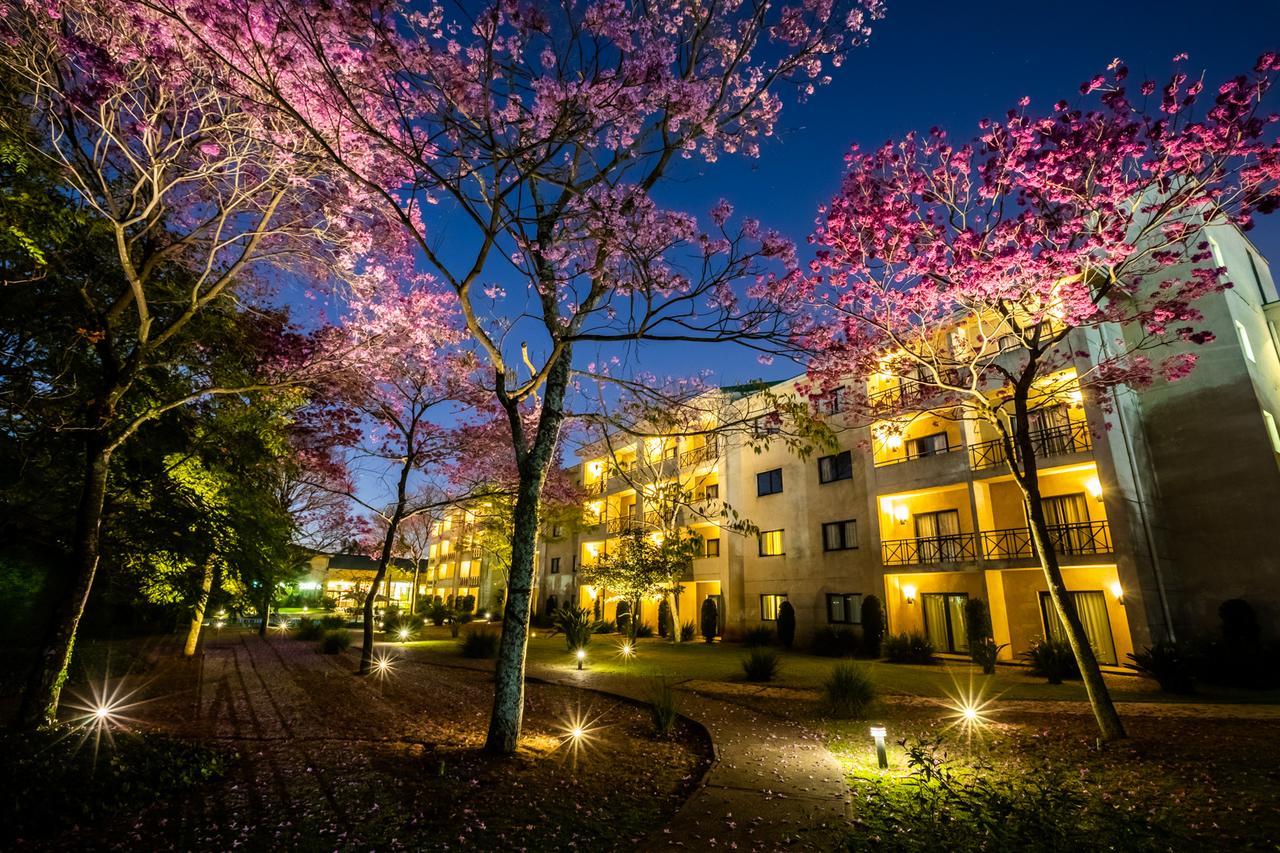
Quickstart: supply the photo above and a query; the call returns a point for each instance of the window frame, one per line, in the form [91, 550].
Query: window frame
[782, 552]
[837, 470]
[920, 454]
[771, 480]
[1273, 431]
[555, 566]
[706, 547]
[1246, 345]
[844, 599]
[841, 525]
[779, 598]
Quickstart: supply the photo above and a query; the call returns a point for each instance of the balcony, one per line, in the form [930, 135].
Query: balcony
[929, 550]
[596, 489]
[911, 454]
[1054, 441]
[697, 455]
[1069, 540]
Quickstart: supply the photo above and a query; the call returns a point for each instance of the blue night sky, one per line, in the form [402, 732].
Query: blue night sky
[950, 64]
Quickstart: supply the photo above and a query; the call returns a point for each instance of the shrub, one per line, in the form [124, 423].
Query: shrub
[576, 624]
[908, 648]
[787, 624]
[1239, 622]
[397, 622]
[1052, 660]
[468, 604]
[872, 626]
[335, 641]
[1172, 665]
[664, 618]
[686, 632]
[761, 665]
[644, 630]
[834, 643]
[761, 635]
[985, 652]
[332, 623]
[437, 613]
[480, 644]
[622, 615]
[977, 619]
[710, 619]
[308, 630]
[849, 691]
[605, 627]
[662, 707]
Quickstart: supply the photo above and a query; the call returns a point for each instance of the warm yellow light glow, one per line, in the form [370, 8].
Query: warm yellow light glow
[909, 593]
[1094, 487]
[878, 732]
[1117, 590]
[404, 634]
[901, 514]
[1076, 397]
[894, 441]
[576, 732]
[582, 654]
[626, 650]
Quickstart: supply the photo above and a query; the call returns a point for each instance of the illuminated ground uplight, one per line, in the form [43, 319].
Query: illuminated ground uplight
[384, 666]
[626, 651]
[971, 709]
[577, 734]
[103, 712]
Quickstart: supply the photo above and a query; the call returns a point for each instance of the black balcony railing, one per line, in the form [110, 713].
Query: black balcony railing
[950, 548]
[1087, 537]
[911, 453]
[596, 489]
[704, 453]
[1053, 441]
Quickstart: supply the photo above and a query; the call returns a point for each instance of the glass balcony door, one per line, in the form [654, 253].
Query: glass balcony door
[1092, 608]
[938, 536]
[944, 621]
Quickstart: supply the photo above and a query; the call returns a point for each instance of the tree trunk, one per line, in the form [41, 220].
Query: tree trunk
[1104, 710]
[675, 616]
[264, 609]
[388, 543]
[197, 615]
[40, 700]
[413, 593]
[508, 676]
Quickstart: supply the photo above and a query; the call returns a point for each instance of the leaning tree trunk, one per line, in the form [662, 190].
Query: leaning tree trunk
[388, 543]
[197, 614]
[508, 676]
[1104, 710]
[675, 616]
[40, 700]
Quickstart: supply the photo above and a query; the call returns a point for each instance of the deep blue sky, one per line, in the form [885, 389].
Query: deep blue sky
[950, 64]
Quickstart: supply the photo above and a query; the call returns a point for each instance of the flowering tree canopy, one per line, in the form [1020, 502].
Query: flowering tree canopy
[981, 280]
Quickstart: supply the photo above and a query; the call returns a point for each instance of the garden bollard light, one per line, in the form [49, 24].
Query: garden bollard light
[877, 732]
[582, 655]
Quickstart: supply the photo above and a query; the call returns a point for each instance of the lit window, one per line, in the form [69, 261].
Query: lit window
[769, 605]
[1245, 346]
[771, 543]
[769, 482]
[840, 535]
[712, 548]
[1272, 430]
[838, 467]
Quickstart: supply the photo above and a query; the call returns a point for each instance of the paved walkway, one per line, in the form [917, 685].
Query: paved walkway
[773, 785]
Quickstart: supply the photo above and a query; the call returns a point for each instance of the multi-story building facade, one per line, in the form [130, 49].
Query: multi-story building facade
[1160, 506]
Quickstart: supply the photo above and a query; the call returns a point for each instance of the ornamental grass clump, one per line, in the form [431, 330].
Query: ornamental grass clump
[335, 642]
[761, 665]
[662, 709]
[480, 644]
[849, 691]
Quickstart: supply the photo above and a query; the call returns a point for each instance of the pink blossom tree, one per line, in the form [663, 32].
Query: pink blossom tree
[201, 195]
[1053, 255]
[539, 133]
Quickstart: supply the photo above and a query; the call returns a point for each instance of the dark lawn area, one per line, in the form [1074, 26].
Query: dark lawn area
[320, 759]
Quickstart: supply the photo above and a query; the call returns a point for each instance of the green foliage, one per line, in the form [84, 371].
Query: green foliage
[331, 623]
[482, 643]
[710, 619]
[761, 664]
[1052, 660]
[437, 613]
[834, 642]
[606, 626]
[63, 783]
[761, 635]
[849, 691]
[787, 624]
[665, 622]
[945, 804]
[977, 618]
[637, 567]
[623, 616]
[908, 648]
[1173, 665]
[467, 605]
[643, 630]
[335, 642]
[398, 621]
[662, 708]
[985, 652]
[308, 630]
[872, 626]
[577, 625]
[687, 630]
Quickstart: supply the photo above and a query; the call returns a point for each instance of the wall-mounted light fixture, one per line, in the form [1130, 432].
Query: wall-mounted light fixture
[901, 513]
[909, 593]
[1118, 591]
[893, 441]
[1094, 487]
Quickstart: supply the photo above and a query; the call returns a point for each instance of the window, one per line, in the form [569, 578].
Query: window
[938, 536]
[1217, 253]
[771, 543]
[555, 565]
[931, 445]
[1008, 341]
[844, 608]
[1272, 430]
[769, 605]
[711, 548]
[832, 402]
[840, 535]
[944, 621]
[711, 492]
[1245, 346]
[838, 467]
[766, 426]
[1091, 607]
[1257, 279]
[959, 341]
[670, 452]
[557, 531]
[769, 482]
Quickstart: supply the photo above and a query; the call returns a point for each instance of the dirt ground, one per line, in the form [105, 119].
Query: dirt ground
[325, 760]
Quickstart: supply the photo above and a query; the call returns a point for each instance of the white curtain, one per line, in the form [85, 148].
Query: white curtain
[1091, 607]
